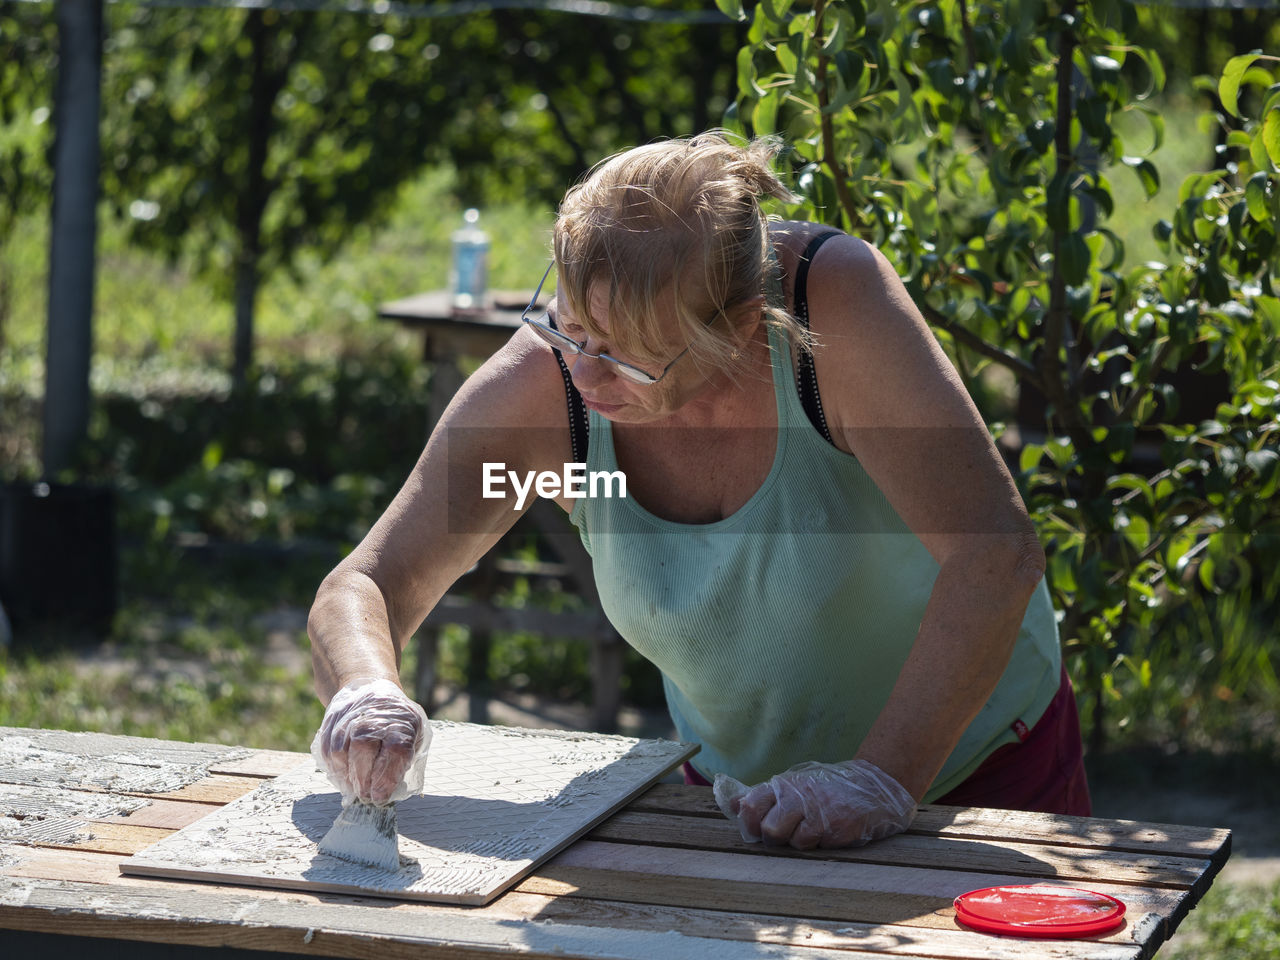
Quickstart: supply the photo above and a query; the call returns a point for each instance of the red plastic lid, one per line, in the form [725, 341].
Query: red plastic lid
[1039, 910]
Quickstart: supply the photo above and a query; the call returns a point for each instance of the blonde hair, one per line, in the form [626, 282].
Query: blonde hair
[683, 214]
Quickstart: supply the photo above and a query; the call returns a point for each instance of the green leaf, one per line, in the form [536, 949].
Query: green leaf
[1136, 529]
[1152, 60]
[1259, 156]
[1040, 134]
[1271, 135]
[1239, 139]
[212, 456]
[1057, 202]
[1147, 173]
[747, 86]
[776, 10]
[1030, 457]
[837, 37]
[1268, 308]
[1262, 462]
[732, 121]
[732, 9]
[765, 116]
[1075, 259]
[1229, 84]
[1132, 481]
[850, 66]
[1255, 196]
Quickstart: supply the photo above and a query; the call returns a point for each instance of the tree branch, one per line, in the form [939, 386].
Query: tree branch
[1057, 321]
[968, 338]
[970, 47]
[828, 132]
[1142, 386]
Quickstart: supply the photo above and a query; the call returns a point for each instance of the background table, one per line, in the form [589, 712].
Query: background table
[667, 877]
[450, 339]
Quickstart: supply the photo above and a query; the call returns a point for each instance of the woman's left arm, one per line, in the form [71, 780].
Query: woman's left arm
[897, 404]
[893, 400]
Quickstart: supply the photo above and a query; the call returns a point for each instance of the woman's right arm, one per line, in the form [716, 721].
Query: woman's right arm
[511, 411]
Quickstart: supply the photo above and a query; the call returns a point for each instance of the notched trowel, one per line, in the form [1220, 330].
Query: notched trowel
[365, 833]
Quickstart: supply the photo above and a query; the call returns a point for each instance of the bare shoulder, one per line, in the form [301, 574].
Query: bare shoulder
[518, 398]
[877, 359]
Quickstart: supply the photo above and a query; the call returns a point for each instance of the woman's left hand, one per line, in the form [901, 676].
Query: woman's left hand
[819, 805]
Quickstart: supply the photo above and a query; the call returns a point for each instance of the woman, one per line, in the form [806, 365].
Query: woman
[819, 545]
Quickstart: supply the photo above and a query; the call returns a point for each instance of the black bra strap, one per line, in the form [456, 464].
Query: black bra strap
[578, 422]
[579, 429]
[807, 376]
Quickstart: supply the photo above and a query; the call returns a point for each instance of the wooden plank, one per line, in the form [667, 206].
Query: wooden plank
[951, 943]
[38, 801]
[262, 763]
[34, 801]
[162, 814]
[865, 893]
[499, 801]
[950, 853]
[1161, 839]
[198, 917]
[215, 788]
[947, 941]
[84, 835]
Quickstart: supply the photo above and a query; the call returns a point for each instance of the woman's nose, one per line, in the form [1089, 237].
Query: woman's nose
[587, 372]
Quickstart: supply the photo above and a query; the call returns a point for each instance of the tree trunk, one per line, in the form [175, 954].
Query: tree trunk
[264, 86]
[246, 295]
[74, 232]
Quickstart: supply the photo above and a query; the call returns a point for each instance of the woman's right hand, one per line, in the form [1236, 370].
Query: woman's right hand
[373, 742]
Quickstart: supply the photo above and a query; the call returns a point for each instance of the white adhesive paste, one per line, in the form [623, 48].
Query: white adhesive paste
[497, 802]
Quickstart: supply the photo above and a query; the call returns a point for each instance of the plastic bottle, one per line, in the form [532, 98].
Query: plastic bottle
[468, 278]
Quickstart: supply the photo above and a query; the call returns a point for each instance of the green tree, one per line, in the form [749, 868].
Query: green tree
[28, 41]
[970, 140]
[243, 136]
[240, 137]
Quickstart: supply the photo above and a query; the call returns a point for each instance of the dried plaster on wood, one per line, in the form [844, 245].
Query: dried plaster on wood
[54, 815]
[110, 745]
[56, 757]
[497, 802]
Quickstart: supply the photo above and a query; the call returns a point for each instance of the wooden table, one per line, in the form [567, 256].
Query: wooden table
[667, 877]
[449, 335]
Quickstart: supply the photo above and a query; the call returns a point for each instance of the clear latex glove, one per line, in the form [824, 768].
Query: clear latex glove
[818, 805]
[373, 742]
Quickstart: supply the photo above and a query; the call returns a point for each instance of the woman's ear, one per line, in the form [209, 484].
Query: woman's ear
[745, 318]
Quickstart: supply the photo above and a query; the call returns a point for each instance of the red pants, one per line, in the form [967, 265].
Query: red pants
[1043, 773]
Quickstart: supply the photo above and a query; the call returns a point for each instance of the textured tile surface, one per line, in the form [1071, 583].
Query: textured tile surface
[498, 802]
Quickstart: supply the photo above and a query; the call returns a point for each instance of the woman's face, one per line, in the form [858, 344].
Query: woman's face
[609, 393]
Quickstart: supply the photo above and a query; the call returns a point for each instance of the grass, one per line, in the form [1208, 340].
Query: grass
[1231, 922]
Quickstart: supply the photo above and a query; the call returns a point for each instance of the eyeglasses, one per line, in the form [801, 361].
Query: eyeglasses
[572, 347]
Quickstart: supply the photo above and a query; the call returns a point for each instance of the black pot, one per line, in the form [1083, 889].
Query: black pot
[58, 561]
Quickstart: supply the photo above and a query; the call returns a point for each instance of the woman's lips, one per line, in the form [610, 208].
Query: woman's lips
[601, 408]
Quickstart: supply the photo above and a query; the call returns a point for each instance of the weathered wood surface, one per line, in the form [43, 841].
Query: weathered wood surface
[498, 802]
[1128, 836]
[668, 877]
[78, 882]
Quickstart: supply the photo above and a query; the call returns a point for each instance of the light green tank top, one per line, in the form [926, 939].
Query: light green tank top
[781, 629]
